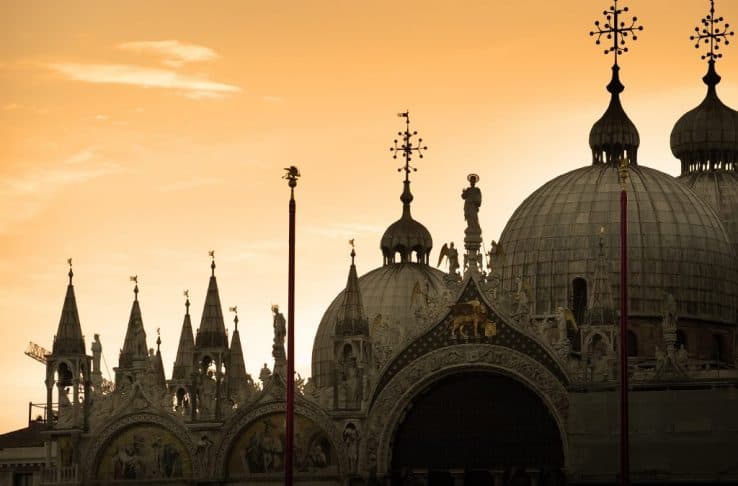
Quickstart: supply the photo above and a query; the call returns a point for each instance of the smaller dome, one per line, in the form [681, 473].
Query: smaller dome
[614, 135]
[706, 137]
[406, 236]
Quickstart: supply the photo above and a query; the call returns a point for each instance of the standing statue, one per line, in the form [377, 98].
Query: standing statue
[472, 197]
[96, 353]
[280, 331]
[452, 254]
[351, 441]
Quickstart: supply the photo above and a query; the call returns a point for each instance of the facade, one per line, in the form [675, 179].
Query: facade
[501, 370]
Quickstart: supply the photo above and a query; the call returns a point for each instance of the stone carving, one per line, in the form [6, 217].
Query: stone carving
[310, 447]
[280, 331]
[452, 254]
[140, 446]
[521, 299]
[669, 322]
[351, 444]
[471, 314]
[472, 197]
[389, 405]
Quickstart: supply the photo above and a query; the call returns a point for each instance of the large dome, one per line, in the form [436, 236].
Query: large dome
[393, 296]
[719, 188]
[676, 244]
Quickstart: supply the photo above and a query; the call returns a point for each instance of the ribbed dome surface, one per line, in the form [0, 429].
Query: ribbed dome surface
[676, 243]
[386, 292]
[719, 188]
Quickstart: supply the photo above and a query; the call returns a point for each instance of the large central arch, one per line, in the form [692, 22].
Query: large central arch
[394, 402]
[477, 421]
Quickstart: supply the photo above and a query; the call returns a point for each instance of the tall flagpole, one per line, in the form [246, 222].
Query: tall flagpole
[624, 426]
[292, 174]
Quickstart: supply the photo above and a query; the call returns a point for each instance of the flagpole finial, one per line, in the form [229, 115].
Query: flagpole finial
[292, 173]
[623, 172]
[71, 273]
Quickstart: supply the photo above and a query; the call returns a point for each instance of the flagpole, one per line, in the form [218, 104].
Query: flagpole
[624, 415]
[291, 176]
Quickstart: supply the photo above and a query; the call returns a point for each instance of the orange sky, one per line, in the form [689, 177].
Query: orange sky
[138, 135]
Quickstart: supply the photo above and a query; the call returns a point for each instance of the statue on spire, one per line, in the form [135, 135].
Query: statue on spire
[472, 197]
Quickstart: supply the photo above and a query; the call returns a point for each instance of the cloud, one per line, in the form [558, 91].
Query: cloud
[174, 52]
[273, 99]
[186, 185]
[28, 193]
[189, 85]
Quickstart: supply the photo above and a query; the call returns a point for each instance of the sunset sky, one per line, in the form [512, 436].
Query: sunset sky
[139, 135]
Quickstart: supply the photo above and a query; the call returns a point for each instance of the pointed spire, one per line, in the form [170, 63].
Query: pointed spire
[69, 339]
[185, 351]
[134, 345]
[351, 319]
[237, 365]
[601, 307]
[211, 332]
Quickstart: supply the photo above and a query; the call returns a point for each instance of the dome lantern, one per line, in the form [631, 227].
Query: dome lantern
[406, 236]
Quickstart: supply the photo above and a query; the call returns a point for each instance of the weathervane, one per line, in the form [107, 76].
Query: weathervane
[711, 33]
[71, 273]
[616, 30]
[407, 147]
[134, 279]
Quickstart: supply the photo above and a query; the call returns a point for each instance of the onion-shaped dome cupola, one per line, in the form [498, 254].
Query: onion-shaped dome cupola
[407, 236]
[614, 136]
[705, 139]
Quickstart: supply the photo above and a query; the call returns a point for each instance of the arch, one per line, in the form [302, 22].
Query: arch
[394, 399]
[150, 434]
[499, 424]
[244, 426]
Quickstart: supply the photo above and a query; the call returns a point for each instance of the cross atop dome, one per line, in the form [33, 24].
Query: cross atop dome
[616, 30]
[407, 147]
[712, 33]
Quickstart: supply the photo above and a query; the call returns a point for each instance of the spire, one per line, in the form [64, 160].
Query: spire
[185, 351]
[614, 136]
[601, 307]
[406, 235]
[69, 339]
[211, 332]
[706, 138]
[237, 365]
[351, 320]
[134, 345]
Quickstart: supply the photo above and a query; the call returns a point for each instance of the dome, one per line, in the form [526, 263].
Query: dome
[676, 243]
[719, 188]
[614, 135]
[707, 136]
[391, 295]
[406, 236]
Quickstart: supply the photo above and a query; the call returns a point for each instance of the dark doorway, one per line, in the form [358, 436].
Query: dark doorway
[473, 423]
[579, 298]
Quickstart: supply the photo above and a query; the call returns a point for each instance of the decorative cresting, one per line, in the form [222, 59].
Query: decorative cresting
[239, 423]
[614, 136]
[392, 401]
[406, 235]
[472, 320]
[706, 138]
[96, 449]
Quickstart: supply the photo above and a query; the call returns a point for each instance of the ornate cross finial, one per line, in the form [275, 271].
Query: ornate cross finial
[407, 147]
[616, 30]
[712, 33]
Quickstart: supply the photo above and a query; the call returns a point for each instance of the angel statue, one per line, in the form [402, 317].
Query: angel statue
[452, 254]
[496, 254]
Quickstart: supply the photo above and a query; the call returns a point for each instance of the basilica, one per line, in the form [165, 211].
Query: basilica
[504, 369]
